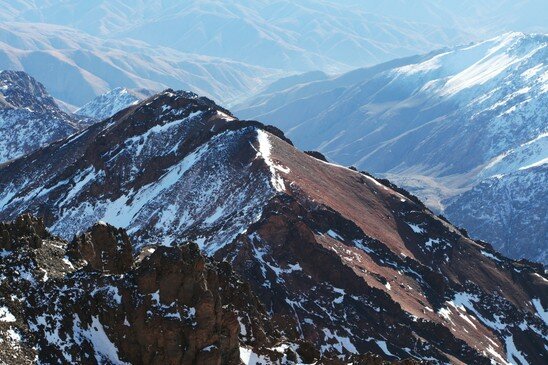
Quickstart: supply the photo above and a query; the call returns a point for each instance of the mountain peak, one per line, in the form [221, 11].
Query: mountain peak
[29, 116]
[378, 267]
[21, 91]
[111, 102]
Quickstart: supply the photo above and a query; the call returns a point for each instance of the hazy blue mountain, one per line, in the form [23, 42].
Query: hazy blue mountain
[75, 66]
[303, 35]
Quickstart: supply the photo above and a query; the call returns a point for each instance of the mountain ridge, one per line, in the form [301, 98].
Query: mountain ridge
[335, 256]
[483, 102]
[305, 36]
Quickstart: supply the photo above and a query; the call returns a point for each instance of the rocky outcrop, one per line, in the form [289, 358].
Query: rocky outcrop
[170, 306]
[104, 249]
[26, 230]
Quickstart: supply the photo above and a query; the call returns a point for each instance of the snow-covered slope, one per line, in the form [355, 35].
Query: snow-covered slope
[508, 206]
[29, 117]
[336, 257]
[111, 102]
[485, 103]
[133, 160]
[508, 209]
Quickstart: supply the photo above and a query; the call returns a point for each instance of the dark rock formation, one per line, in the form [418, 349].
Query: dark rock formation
[104, 249]
[173, 306]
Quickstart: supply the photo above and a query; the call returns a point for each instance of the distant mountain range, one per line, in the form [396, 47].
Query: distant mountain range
[230, 50]
[298, 36]
[91, 66]
[471, 117]
[322, 263]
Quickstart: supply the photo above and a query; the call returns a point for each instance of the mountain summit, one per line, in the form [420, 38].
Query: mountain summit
[29, 116]
[109, 103]
[348, 262]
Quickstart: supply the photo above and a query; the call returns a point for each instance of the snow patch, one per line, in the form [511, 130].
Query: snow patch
[265, 152]
[104, 349]
[5, 315]
[384, 347]
[490, 255]
[334, 235]
[248, 357]
[541, 311]
[416, 228]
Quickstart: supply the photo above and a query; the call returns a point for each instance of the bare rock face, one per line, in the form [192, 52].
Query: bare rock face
[104, 249]
[180, 283]
[24, 231]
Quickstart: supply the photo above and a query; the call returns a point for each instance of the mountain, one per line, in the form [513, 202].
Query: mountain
[228, 51]
[111, 102]
[484, 103]
[29, 117]
[294, 36]
[336, 257]
[92, 65]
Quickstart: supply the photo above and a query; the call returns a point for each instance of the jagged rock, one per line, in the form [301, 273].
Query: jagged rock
[24, 231]
[104, 249]
[174, 306]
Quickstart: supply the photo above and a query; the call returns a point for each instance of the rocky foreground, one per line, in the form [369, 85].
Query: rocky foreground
[91, 302]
